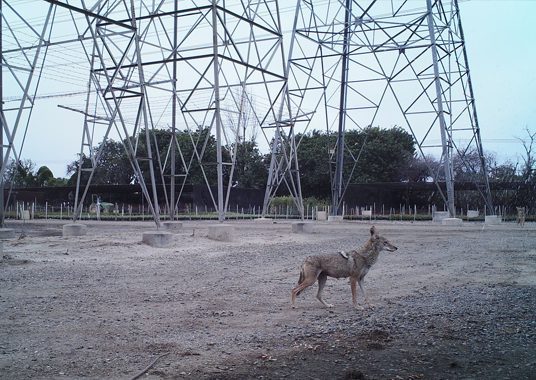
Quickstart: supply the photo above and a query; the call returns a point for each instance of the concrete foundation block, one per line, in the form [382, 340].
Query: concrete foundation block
[7, 233]
[221, 232]
[452, 222]
[439, 216]
[74, 229]
[321, 216]
[263, 220]
[492, 219]
[473, 214]
[157, 239]
[302, 227]
[335, 218]
[172, 226]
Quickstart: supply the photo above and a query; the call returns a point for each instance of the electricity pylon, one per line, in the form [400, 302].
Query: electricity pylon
[355, 63]
[178, 65]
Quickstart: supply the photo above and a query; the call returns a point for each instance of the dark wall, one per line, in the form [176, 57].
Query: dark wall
[132, 194]
[387, 194]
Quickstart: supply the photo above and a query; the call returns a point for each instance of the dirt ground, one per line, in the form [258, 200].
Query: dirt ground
[452, 302]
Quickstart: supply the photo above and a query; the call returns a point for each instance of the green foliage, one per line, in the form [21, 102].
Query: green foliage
[315, 202]
[113, 166]
[191, 149]
[44, 176]
[21, 174]
[313, 158]
[383, 155]
[282, 201]
[250, 168]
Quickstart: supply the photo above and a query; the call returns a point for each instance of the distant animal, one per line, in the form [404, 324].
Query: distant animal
[354, 264]
[521, 216]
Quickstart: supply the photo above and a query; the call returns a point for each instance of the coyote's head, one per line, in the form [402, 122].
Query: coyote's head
[380, 243]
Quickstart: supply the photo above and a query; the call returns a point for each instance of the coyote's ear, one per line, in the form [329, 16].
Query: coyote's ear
[372, 231]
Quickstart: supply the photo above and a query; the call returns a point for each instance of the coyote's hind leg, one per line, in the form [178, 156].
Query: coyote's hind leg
[307, 281]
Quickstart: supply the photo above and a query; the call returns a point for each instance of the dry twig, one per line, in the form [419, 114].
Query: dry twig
[149, 366]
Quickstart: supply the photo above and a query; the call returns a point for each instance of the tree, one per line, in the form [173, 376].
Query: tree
[44, 177]
[528, 171]
[21, 173]
[420, 169]
[526, 197]
[313, 158]
[250, 167]
[113, 166]
[383, 154]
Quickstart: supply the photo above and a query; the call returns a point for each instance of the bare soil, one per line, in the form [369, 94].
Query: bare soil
[452, 302]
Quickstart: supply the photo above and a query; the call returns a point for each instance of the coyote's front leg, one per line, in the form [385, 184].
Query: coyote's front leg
[369, 305]
[322, 277]
[353, 283]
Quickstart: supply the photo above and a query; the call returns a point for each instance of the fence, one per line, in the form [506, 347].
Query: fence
[131, 212]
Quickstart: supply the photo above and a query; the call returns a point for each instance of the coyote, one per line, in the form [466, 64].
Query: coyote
[521, 216]
[354, 264]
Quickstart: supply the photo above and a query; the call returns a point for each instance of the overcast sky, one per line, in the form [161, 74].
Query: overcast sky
[499, 35]
[500, 40]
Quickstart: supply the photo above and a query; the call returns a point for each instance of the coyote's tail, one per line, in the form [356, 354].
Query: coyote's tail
[300, 280]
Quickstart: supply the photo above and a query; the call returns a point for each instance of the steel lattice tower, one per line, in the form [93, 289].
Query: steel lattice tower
[356, 63]
[181, 65]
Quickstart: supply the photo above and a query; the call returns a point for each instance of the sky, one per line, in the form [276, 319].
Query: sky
[500, 41]
[499, 36]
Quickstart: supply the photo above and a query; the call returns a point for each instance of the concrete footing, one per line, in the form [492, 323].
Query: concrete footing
[172, 226]
[157, 239]
[438, 216]
[473, 214]
[335, 218]
[321, 216]
[74, 229]
[451, 222]
[7, 233]
[263, 220]
[492, 219]
[302, 227]
[221, 232]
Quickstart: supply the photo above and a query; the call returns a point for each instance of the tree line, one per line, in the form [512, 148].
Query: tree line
[372, 155]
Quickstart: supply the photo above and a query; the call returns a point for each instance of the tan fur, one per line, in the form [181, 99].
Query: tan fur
[521, 216]
[336, 265]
